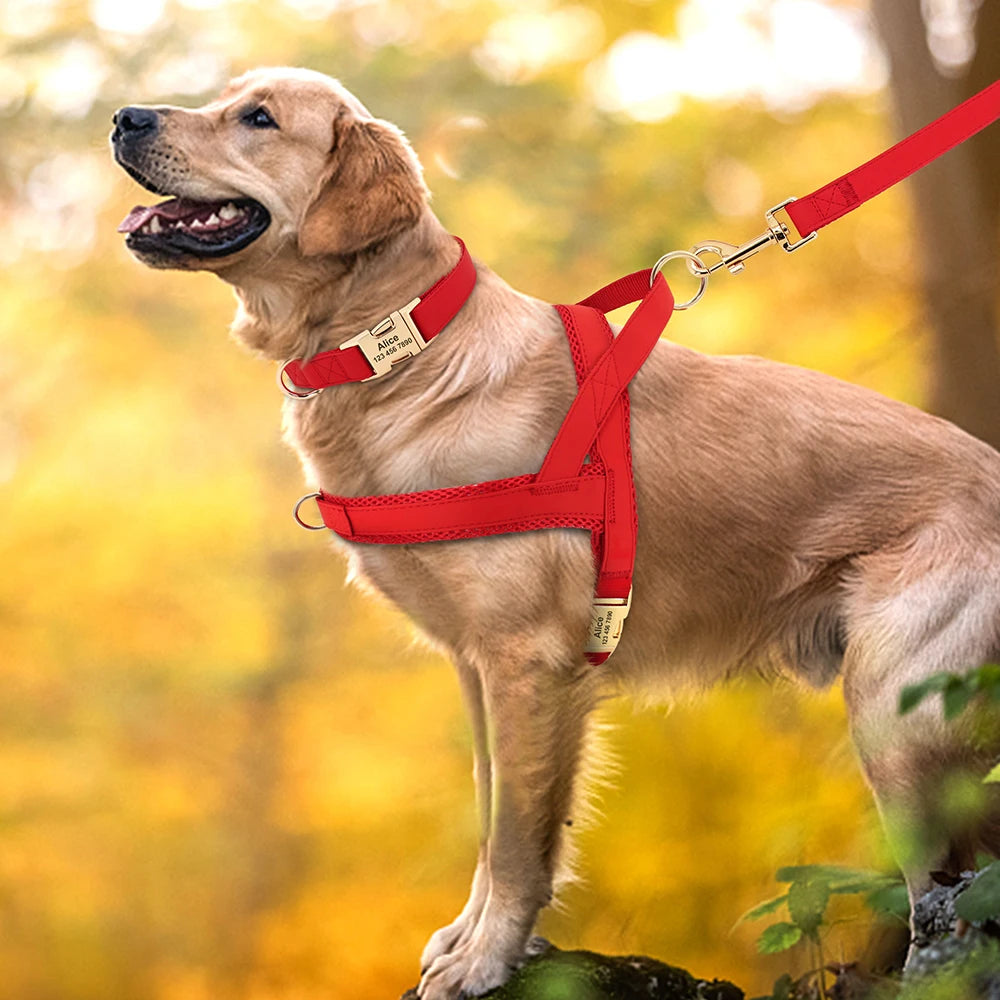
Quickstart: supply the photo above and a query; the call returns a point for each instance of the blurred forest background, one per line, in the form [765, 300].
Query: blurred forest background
[222, 773]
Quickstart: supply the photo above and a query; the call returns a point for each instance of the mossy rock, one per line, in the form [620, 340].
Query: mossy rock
[552, 974]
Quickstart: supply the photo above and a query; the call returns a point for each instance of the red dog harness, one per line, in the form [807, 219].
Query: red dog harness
[586, 478]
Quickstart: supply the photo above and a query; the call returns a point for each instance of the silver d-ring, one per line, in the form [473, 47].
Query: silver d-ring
[285, 386]
[298, 519]
[691, 258]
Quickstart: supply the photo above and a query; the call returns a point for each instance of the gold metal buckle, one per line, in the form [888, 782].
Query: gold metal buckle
[387, 343]
[607, 619]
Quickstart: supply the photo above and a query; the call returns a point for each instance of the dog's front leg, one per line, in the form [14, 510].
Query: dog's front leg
[458, 931]
[538, 711]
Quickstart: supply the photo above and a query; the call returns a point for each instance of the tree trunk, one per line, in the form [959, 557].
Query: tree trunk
[956, 211]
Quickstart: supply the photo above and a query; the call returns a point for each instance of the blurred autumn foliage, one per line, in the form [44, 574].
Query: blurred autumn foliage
[223, 773]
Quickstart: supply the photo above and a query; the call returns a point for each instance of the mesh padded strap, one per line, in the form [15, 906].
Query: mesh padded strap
[490, 508]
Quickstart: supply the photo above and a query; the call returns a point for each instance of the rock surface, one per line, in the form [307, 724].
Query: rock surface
[552, 974]
[945, 946]
[950, 958]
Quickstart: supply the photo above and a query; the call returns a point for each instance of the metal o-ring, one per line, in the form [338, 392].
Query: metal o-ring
[298, 519]
[701, 274]
[285, 386]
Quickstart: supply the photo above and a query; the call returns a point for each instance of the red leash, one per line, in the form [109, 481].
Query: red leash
[568, 492]
[833, 200]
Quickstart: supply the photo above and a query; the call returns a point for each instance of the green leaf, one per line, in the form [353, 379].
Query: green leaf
[981, 901]
[913, 694]
[994, 774]
[892, 899]
[815, 873]
[834, 875]
[807, 904]
[782, 989]
[956, 695]
[871, 882]
[762, 909]
[778, 937]
[986, 678]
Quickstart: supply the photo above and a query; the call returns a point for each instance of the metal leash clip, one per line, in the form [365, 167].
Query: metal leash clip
[732, 257]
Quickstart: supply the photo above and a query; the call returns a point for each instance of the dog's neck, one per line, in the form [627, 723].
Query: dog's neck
[307, 305]
[386, 436]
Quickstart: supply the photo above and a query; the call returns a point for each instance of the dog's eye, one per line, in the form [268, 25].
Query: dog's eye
[258, 118]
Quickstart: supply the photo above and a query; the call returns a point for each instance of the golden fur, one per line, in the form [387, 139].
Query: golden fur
[785, 517]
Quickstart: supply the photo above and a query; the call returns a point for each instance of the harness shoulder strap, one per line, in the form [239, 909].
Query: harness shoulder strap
[610, 374]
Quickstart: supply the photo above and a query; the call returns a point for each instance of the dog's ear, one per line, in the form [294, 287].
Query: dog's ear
[371, 189]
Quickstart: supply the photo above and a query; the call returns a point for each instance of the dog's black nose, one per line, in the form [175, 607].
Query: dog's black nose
[135, 123]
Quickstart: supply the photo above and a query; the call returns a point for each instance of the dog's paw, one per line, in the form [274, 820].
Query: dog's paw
[468, 970]
[447, 939]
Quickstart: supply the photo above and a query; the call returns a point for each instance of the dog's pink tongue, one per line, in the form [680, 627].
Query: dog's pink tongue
[138, 217]
[175, 208]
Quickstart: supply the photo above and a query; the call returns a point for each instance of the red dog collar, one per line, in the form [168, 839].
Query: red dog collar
[402, 334]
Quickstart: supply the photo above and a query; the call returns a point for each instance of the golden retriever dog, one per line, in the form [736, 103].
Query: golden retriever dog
[786, 518]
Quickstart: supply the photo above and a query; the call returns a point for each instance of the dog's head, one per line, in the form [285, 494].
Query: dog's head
[284, 161]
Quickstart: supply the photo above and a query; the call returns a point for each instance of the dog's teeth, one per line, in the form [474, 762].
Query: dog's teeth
[228, 212]
[212, 220]
[153, 226]
[197, 224]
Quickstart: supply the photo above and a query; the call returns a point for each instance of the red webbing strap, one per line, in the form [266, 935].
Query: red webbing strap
[437, 307]
[631, 288]
[614, 542]
[833, 200]
[610, 376]
[330, 368]
[490, 508]
[590, 336]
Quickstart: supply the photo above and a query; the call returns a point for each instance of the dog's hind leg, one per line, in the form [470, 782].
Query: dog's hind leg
[926, 771]
[537, 707]
[448, 938]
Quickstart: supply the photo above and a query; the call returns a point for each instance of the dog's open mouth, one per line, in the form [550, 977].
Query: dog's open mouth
[185, 227]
